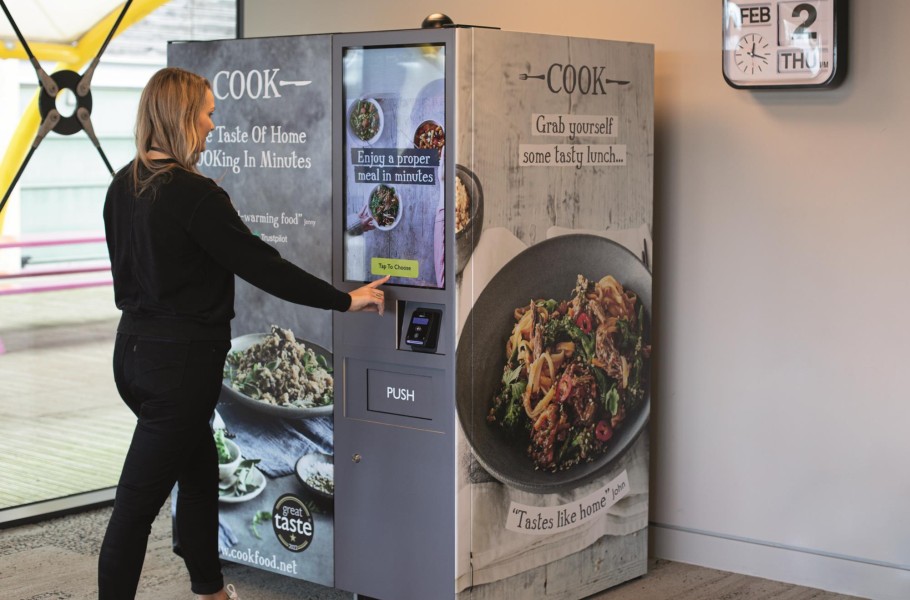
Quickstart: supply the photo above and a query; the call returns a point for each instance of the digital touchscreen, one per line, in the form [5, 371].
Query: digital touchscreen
[394, 146]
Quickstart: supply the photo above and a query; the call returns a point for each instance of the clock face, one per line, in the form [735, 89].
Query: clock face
[752, 54]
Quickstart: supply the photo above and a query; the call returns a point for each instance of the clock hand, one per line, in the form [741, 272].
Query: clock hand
[754, 54]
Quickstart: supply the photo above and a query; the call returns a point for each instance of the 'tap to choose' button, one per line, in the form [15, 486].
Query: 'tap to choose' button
[396, 267]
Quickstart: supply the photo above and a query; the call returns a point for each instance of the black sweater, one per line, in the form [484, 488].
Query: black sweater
[174, 255]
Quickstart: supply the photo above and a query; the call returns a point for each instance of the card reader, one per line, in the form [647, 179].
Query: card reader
[423, 329]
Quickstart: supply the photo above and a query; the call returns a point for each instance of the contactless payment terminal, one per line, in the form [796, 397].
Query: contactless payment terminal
[423, 329]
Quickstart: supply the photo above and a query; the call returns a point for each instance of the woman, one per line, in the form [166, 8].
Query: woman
[175, 243]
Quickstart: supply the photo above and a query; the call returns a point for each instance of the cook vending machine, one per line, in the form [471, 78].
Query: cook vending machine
[487, 437]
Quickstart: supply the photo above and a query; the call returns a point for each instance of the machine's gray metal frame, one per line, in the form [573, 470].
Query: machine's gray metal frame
[395, 518]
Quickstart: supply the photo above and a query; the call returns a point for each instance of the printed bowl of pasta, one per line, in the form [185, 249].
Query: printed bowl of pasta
[553, 365]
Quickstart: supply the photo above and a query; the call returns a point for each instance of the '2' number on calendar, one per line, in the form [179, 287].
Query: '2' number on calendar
[803, 30]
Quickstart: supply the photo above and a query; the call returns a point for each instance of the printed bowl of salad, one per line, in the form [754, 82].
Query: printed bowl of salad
[316, 472]
[277, 374]
[239, 479]
[385, 207]
[228, 455]
[365, 120]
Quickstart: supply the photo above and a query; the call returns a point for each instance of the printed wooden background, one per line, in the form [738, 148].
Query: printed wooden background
[529, 200]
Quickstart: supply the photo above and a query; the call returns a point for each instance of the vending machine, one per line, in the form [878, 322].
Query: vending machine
[487, 436]
[490, 429]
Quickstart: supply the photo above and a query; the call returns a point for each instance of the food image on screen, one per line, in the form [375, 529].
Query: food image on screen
[574, 370]
[281, 370]
[385, 206]
[365, 119]
[430, 136]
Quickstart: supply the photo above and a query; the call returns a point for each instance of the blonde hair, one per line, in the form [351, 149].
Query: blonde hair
[166, 121]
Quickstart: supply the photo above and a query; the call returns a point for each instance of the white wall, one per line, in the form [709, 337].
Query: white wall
[781, 408]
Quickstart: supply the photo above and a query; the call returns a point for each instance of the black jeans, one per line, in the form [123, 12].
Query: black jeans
[172, 386]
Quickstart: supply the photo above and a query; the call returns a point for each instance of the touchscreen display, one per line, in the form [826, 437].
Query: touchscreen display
[394, 145]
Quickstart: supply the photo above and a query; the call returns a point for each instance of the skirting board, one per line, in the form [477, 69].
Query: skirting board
[55, 507]
[801, 566]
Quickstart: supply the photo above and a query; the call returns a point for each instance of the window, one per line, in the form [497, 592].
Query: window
[63, 430]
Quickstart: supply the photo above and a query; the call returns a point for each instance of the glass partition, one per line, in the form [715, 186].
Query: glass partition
[63, 429]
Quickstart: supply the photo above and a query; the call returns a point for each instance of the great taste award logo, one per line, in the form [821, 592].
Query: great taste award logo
[293, 523]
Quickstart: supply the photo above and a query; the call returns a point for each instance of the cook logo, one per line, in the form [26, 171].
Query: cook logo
[254, 84]
[293, 523]
[568, 79]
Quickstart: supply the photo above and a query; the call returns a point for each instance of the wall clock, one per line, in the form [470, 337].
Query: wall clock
[784, 43]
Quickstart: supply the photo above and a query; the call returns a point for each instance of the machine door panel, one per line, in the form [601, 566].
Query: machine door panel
[394, 492]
